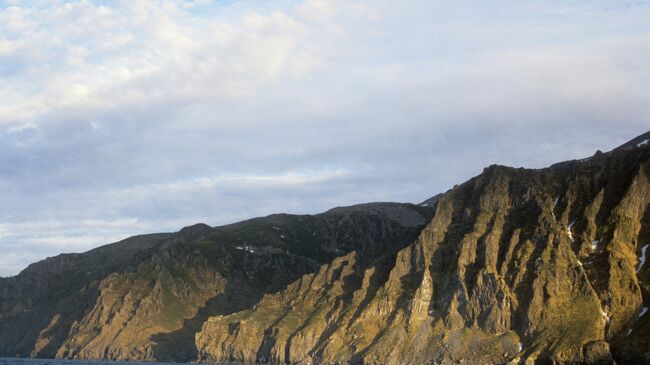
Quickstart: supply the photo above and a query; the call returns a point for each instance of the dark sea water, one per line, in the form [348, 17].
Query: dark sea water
[26, 361]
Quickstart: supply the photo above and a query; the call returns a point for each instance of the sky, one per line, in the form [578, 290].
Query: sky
[127, 117]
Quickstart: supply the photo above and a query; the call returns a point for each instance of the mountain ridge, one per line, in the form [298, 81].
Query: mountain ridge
[485, 272]
[255, 256]
[517, 239]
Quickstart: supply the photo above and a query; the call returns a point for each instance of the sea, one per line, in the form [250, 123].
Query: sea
[29, 361]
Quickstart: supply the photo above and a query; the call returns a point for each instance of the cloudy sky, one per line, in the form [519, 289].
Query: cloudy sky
[125, 117]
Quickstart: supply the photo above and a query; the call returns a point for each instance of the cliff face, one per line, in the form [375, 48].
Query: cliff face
[515, 266]
[145, 298]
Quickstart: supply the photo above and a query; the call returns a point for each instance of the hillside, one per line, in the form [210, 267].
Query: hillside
[513, 266]
[144, 298]
[517, 265]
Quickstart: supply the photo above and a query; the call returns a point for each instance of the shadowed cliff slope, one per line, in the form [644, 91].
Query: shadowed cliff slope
[146, 297]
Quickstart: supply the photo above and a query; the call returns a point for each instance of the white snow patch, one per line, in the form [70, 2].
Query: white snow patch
[594, 244]
[553, 209]
[568, 230]
[642, 258]
[520, 347]
[628, 332]
[246, 248]
[282, 236]
[643, 311]
[276, 228]
[604, 314]
[643, 143]
[424, 205]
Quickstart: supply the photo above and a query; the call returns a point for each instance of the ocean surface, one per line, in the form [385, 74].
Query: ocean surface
[26, 361]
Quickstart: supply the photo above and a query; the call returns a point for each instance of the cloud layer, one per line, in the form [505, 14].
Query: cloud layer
[125, 117]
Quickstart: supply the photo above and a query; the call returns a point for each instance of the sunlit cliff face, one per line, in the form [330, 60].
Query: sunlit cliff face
[514, 265]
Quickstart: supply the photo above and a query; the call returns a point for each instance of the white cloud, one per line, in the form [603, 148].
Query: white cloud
[27, 242]
[81, 55]
[206, 186]
[136, 116]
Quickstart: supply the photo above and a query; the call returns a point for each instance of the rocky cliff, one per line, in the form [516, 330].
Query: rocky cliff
[513, 266]
[516, 266]
[145, 298]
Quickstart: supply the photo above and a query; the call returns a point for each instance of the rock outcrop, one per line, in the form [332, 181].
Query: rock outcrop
[515, 266]
[145, 298]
